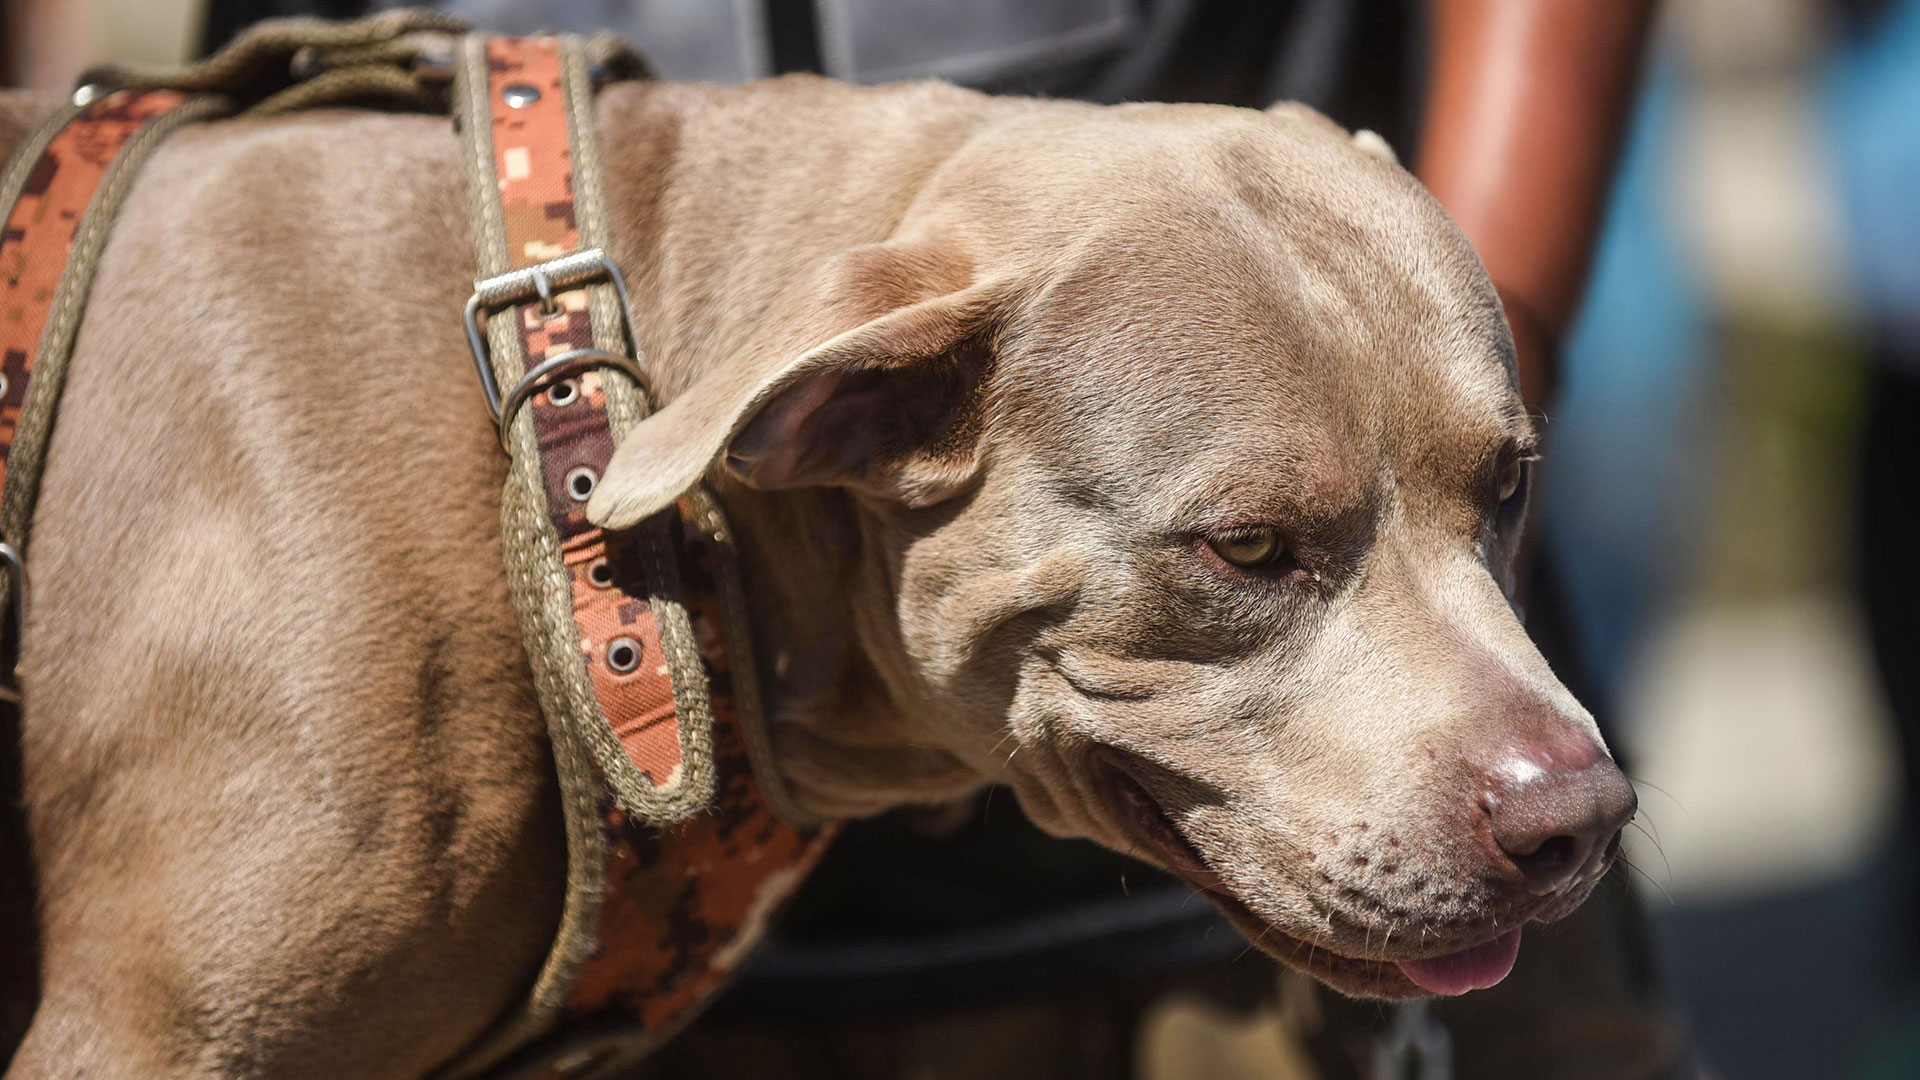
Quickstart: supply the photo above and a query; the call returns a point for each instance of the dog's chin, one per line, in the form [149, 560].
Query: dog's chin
[1146, 823]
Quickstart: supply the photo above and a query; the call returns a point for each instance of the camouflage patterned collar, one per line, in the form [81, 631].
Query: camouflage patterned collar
[638, 640]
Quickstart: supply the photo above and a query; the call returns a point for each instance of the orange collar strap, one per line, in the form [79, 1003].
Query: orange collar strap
[677, 857]
[44, 219]
[59, 194]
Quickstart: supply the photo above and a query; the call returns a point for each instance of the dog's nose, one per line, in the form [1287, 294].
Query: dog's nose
[1555, 812]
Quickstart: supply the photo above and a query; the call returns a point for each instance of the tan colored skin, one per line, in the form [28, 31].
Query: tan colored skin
[290, 802]
[1525, 107]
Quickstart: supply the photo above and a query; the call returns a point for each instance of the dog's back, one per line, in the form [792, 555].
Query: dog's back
[271, 650]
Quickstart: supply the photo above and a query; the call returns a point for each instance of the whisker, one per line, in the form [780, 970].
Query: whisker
[1655, 840]
[1643, 816]
[1634, 869]
[1255, 943]
[1651, 786]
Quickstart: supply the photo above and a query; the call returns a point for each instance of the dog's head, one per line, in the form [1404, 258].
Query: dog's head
[1189, 468]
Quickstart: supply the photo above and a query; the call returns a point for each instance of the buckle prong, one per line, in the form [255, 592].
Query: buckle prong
[544, 287]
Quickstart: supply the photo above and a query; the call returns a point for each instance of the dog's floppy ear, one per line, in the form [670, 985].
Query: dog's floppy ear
[890, 407]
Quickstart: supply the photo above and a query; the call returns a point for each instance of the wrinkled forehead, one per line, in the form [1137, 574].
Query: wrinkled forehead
[1213, 347]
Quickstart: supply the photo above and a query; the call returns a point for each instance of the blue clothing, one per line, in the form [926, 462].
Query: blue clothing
[1873, 120]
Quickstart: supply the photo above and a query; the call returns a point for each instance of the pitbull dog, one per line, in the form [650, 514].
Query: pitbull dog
[1163, 463]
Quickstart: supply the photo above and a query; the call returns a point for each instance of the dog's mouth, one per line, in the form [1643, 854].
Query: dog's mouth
[1141, 815]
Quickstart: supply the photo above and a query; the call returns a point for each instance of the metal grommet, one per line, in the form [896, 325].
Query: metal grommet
[580, 484]
[4, 384]
[519, 95]
[623, 655]
[559, 395]
[86, 95]
[599, 574]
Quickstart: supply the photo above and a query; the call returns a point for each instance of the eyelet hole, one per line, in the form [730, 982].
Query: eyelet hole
[623, 655]
[580, 484]
[563, 393]
[599, 574]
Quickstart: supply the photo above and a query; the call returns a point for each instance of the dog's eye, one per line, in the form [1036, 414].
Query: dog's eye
[1513, 481]
[1511, 476]
[1248, 547]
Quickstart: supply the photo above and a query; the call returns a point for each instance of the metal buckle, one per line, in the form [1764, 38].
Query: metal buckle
[17, 578]
[541, 281]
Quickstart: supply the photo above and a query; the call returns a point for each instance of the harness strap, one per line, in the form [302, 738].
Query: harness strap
[60, 192]
[62, 187]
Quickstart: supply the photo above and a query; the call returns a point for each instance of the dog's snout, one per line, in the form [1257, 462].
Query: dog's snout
[1555, 814]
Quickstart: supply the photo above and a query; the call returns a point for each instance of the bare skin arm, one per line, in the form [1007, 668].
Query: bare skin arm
[45, 43]
[1526, 105]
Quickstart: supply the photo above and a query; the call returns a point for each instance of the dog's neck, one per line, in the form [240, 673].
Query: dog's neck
[703, 184]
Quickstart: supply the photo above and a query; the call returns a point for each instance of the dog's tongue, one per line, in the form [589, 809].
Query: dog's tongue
[1469, 969]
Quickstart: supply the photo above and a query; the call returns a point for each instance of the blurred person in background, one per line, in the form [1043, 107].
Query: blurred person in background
[899, 954]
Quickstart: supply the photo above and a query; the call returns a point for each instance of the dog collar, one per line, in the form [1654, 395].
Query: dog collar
[643, 665]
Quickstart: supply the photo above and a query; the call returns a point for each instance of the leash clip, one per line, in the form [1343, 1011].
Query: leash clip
[17, 600]
[539, 282]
